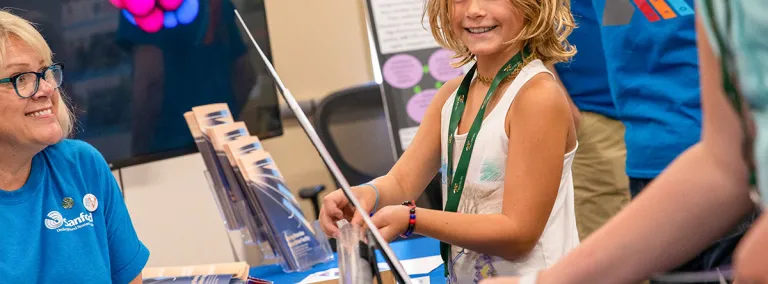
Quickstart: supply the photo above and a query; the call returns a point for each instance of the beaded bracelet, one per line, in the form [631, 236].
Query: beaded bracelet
[411, 219]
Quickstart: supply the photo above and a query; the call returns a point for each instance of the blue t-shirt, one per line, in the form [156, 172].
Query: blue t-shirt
[585, 76]
[652, 62]
[41, 241]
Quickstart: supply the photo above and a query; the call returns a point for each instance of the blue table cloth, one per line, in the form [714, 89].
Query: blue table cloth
[404, 249]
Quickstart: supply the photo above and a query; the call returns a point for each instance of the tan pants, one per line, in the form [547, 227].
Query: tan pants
[600, 181]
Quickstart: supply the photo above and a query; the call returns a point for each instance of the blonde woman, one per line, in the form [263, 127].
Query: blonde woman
[62, 215]
[503, 138]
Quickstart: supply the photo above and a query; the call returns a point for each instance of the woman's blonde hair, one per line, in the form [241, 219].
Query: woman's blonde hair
[15, 26]
[548, 23]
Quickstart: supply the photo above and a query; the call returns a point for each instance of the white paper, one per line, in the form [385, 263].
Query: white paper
[399, 26]
[416, 266]
[407, 135]
[326, 275]
[422, 265]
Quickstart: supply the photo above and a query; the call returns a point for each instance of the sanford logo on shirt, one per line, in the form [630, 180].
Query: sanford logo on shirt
[56, 221]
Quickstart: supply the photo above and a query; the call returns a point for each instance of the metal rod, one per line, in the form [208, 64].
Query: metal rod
[387, 252]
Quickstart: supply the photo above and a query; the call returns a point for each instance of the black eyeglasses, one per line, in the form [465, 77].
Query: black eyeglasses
[26, 84]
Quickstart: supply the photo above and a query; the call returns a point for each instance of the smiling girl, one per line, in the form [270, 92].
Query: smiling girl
[503, 138]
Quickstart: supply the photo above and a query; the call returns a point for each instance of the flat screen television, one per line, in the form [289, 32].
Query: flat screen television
[133, 67]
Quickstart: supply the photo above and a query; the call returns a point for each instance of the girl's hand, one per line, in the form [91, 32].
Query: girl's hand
[392, 221]
[336, 206]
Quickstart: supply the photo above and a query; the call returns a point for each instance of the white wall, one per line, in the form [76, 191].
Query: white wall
[169, 201]
[174, 213]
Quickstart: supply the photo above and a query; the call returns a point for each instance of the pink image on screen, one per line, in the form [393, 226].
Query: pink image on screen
[139, 8]
[403, 71]
[417, 105]
[152, 22]
[117, 3]
[170, 5]
[440, 65]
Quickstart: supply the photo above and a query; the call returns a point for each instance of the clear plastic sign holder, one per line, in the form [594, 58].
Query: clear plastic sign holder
[357, 258]
[294, 251]
[374, 236]
[239, 255]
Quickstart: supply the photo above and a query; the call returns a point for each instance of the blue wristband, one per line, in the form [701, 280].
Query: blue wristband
[375, 204]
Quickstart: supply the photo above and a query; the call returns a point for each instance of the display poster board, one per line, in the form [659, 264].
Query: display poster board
[413, 66]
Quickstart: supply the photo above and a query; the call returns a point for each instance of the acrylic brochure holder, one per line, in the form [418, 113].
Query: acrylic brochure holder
[301, 243]
[374, 237]
[198, 122]
[251, 194]
[206, 124]
[357, 258]
[253, 231]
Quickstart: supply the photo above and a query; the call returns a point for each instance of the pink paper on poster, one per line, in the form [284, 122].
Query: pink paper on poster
[440, 65]
[403, 71]
[417, 105]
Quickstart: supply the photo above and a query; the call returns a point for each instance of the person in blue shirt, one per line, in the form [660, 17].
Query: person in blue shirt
[600, 183]
[62, 213]
[653, 70]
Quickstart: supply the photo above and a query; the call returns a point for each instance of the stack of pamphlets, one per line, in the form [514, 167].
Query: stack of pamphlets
[251, 193]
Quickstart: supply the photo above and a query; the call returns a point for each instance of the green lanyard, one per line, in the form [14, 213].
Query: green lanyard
[456, 180]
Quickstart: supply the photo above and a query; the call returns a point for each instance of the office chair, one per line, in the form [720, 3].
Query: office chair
[353, 126]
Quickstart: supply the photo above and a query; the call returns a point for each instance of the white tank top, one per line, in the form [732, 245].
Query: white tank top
[484, 190]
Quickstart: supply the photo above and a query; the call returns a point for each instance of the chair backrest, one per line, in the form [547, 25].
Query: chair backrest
[353, 126]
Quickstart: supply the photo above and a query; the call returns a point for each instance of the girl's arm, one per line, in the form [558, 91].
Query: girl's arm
[749, 259]
[698, 198]
[538, 125]
[574, 109]
[408, 177]
[420, 162]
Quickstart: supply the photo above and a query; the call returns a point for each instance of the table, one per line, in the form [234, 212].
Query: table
[404, 249]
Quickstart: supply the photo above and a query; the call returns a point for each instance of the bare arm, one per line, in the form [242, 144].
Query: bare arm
[421, 161]
[701, 195]
[749, 258]
[407, 178]
[137, 280]
[538, 127]
[574, 109]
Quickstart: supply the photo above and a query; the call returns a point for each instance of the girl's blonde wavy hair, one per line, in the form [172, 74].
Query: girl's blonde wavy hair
[15, 26]
[548, 23]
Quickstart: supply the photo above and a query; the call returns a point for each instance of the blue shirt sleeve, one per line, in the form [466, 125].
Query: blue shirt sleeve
[127, 253]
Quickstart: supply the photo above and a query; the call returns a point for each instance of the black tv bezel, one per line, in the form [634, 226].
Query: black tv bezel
[159, 156]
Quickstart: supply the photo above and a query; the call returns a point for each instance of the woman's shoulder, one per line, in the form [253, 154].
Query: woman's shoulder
[74, 146]
[79, 167]
[74, 152]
